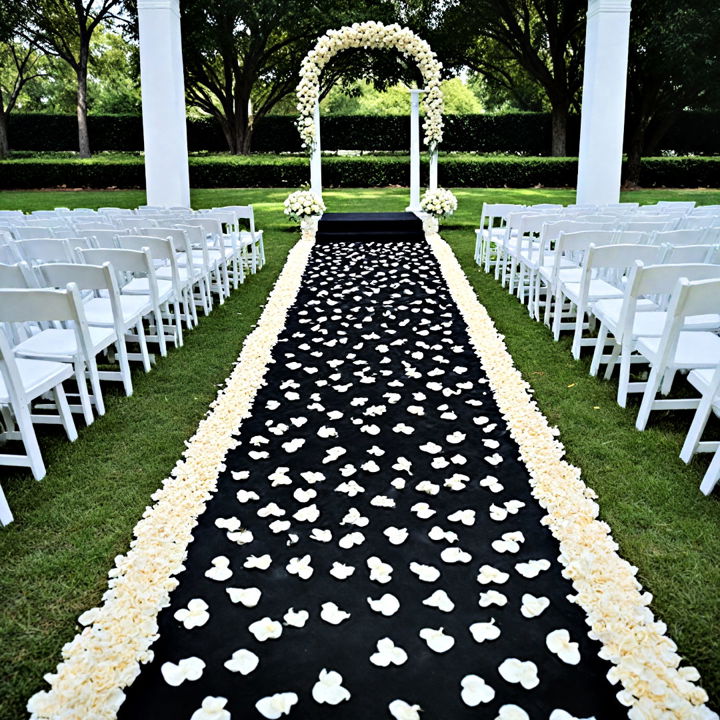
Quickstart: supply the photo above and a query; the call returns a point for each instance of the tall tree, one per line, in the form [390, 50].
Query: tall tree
[673, 66]
[543, 38]
[18, 67]
[64, 28]
[242, 56]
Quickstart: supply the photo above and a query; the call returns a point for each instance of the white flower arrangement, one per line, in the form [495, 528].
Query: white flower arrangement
[438, 203]
[372, 35]
[303, 204]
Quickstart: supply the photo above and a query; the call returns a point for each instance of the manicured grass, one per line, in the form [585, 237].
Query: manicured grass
[54, 558]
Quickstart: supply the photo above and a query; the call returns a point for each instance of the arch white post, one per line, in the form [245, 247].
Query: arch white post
[167, 176]
[433, 179]
[414, 205]
[603, 101]
[316, 157]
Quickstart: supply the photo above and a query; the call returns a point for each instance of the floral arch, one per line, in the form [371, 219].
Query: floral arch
[373, 35]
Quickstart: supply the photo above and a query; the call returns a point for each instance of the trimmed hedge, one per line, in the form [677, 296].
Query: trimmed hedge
[523, 133]
[359, 171]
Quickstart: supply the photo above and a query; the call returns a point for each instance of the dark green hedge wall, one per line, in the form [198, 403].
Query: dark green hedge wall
[363, 171]
[526, 133]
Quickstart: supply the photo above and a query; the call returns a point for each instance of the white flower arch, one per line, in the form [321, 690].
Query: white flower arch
[370, 35]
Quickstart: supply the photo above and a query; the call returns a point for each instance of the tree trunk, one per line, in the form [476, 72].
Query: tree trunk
[634, 157]
[559, 119]
[4, 144]
[82, 111]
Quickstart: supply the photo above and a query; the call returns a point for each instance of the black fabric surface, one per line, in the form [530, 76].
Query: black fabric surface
[384, 313]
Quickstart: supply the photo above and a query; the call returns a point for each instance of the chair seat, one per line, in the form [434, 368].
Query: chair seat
[608, 310]
[141, 286]
[694, 349]
[567, 273]
[98, 311]
[597, 290]
[62, 344]
[37, 376]
[183, 273]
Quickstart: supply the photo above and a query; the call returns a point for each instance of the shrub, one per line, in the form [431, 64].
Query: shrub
[522, 133]
[338, 171]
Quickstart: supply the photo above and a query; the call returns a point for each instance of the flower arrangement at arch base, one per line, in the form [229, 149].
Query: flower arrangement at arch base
[305, 207]
[437, 204]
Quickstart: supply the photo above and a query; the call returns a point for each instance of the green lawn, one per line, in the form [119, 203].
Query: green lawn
[69, 527]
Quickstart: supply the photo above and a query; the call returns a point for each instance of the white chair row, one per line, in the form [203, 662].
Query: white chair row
[66, 303]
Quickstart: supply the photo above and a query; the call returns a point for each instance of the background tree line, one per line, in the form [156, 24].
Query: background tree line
[242, 58]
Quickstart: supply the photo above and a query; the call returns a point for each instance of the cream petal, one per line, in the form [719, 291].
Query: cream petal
[242, 661]
[475, 691]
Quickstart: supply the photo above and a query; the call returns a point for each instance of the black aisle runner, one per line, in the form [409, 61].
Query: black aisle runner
[375, 451]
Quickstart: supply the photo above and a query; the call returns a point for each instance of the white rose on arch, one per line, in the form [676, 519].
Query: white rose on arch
[374, 35]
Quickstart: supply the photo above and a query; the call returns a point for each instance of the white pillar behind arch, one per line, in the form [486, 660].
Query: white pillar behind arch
[316, 156]
[163, 103]
[433, 179]
[603, 101]
[414, 205]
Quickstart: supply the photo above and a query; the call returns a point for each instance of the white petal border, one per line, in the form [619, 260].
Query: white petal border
[105, 657]
[644, 659]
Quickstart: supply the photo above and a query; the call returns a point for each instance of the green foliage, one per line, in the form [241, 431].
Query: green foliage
[362, 98]
[455, 170]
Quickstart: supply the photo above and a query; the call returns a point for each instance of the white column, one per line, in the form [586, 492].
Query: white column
[432, 181]
[414, 205]
[603, 101]
[316, 156]
[163, 103]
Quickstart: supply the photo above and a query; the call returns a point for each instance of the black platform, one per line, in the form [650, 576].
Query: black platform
[379, 227]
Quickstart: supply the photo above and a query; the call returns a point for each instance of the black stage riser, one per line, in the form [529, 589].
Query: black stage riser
[378, 227]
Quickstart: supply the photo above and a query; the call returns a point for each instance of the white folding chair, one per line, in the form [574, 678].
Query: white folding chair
[675, 205]
[640, 315]
[212, 227]
[105, 309]
[251, 239]
[137, 257]
[603, 272]
[102, 238]
[72, 342]
[31, 232]
[649, 225]
[678, 349]
[493, 219]
[527, 241]
[21, 382]
[707, 383]
[682, 237]
[215, 259]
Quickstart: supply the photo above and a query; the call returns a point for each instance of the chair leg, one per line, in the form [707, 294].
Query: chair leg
[697, 427]
[625, 363]
[92, 371]
[27, 432]
[142, 340]
[712, 475]
[600, 344]
[64, 412]
[5, 515]
[577, 334]
[557, 319]
[83, 392]
[667, 381]
[651, 389]
[178, 322]
[124, 365]
[612, 361]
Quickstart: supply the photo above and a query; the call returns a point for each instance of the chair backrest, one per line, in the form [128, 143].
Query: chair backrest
[133, 223]
[9, 255]
[533, 224]
[13, 215]
[41, 250]
[695, 222]
[103, 238]
[198, 239]
[160, 250]
[683, 254]
[137, 262]
[181, 242]
[662, 279]
[494, 214]
[43, 305]
[17, 276]
[28, 232]
[93, 224]
[679, 237]
[621, 256]
[648, 225]
[116, 211]
[241, 212]
[670, 205]
[546, 206]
